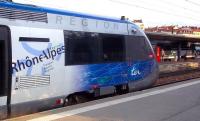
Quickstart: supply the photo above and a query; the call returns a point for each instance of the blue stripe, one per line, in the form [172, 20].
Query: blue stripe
[56, 11]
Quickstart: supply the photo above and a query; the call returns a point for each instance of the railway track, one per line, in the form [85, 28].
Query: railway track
[172, 77]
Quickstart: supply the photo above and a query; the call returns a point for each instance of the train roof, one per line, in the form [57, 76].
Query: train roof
[57, 11]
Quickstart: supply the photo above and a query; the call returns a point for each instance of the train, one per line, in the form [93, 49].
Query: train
[52, 58]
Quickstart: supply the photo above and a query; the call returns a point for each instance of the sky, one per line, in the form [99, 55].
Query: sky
[152, 12]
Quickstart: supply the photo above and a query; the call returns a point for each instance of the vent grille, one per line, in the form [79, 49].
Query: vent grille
[23, 15]
[24, 82]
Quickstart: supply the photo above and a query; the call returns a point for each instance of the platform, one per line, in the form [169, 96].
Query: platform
[174, 102]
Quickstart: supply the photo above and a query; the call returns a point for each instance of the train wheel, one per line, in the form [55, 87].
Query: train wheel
[71, 100]
[76, 99]
[80, 98]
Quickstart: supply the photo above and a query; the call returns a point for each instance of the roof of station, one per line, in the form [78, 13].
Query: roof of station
[171, 37]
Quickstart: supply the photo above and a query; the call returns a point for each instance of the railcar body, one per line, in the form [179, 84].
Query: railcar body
[48, 56]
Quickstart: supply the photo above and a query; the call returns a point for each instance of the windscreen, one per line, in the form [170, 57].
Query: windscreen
[138, 48]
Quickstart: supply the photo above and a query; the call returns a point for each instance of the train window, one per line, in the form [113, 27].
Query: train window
[113, 47]
[137, 48]
[147, 45]
[31, 39]
[91, 48]
[81, 48]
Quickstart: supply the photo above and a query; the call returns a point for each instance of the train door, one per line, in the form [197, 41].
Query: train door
[5, 72]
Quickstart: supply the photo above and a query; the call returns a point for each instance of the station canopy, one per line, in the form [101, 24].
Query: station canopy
[171, 37]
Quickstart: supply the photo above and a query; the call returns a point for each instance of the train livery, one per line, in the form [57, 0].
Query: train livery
[51, 58]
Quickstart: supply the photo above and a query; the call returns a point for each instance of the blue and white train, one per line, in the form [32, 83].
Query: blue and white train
[52, 57]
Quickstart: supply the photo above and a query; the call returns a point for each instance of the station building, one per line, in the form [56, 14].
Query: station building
[171, 43]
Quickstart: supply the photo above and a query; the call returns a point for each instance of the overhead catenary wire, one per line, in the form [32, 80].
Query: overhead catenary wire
[178, 6]
[193, 3]
[170, 12]
[131, 4]
[154, 10]
[185, 9]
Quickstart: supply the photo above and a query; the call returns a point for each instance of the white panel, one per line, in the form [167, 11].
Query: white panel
[72, 23]
[46, 66]
[3, 100]
[85, 24]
